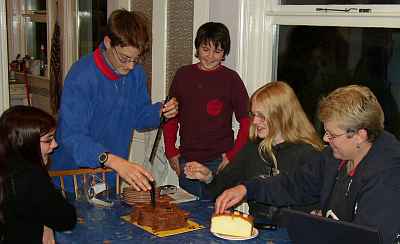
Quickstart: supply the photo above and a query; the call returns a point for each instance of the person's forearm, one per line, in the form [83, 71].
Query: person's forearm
[241, 139]
[111, 161]
[170, 130]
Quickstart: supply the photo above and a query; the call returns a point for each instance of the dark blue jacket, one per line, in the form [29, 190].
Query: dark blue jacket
[374, 193]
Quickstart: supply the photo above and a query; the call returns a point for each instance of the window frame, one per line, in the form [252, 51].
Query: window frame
[306, 15]
[258, 21]
[275, 6]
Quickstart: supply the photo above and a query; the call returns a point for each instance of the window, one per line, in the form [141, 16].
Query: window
[92, 21]
[314, 2]
[35, 27]
[35, 4]
[317, 52]
[315, 60]
[36, 33]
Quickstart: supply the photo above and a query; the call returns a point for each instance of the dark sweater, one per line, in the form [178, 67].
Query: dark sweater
[248, 165]
[374, 192]
[32, 202]
[207, 101]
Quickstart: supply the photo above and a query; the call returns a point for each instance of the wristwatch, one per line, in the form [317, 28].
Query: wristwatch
[103, 157]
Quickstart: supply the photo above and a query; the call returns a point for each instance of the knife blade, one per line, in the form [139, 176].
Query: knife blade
[158, 136]
[155, 145]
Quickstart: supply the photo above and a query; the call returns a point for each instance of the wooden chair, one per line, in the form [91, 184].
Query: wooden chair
[83, 173]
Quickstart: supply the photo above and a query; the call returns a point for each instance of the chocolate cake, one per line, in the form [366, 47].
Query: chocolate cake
[165, 216]
[131, 196]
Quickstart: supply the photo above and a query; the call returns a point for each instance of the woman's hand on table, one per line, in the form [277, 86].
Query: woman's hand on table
[229, 198]
[48, 236]
[170, 109]
[174, 163]
[197, 171]
[135, 174]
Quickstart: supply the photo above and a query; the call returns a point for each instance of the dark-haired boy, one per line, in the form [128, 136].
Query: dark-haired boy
[208, 94]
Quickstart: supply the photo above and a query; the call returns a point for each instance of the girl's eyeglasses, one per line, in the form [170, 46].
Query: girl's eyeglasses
[258, 115]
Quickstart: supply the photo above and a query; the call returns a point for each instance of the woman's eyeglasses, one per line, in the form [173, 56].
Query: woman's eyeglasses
[47, 140]
[124, 59]
[331, 137]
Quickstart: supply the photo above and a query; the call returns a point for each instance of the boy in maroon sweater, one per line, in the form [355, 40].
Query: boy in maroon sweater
[208, 94]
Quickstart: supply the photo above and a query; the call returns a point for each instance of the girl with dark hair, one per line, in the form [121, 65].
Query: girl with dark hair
[28, 200]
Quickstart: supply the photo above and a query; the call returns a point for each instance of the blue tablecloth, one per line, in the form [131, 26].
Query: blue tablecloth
[98, 224]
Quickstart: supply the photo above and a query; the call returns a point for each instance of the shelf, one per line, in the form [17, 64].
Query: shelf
[20, 76]
[39, 88]
[33, 28]
[36, 16]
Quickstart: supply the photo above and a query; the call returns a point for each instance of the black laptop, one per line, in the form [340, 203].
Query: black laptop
[304, 228]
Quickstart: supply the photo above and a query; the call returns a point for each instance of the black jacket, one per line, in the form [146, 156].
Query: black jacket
[32, 202]
[374, 193]
[248, 164]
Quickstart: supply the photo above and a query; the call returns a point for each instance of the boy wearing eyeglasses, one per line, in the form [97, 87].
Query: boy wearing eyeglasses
[209, 94]
[105, 98]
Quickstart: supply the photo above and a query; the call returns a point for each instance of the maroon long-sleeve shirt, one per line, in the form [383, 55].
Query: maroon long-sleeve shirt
[207, 101]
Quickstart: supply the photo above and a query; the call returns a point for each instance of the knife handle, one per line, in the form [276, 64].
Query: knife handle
[153, 193]
[265, 226]
[163, 118]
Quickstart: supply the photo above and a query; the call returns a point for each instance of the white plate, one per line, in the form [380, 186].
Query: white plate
[237, 238]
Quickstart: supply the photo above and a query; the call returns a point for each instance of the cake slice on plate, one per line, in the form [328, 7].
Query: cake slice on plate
[232, 224]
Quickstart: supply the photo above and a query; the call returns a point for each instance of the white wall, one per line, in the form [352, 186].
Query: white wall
[113, 5]
[245, 22]
[227, 12]
[4, 92]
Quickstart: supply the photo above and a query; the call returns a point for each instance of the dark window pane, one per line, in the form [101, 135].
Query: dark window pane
[316, 60]
[36, 33]
[320, 2]
[92, 24]
[35, 4]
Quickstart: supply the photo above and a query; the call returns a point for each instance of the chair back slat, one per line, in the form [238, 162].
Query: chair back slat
[62, 186]
[75, 186]
[85, 182]
[104, 177]
[118, 185]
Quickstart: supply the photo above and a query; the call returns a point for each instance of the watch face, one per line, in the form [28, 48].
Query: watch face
[103, 158]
